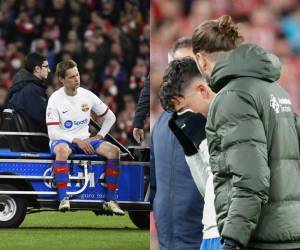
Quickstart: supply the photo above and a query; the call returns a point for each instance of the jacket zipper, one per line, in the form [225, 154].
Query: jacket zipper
[171, 197]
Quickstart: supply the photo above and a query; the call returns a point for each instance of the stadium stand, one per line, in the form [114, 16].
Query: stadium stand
[272, 24]
[109, 39]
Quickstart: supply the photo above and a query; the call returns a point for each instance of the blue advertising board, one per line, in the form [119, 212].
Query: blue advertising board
[131, 181]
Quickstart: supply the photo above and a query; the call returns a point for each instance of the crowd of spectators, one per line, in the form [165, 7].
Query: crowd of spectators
[272, 24]
[109, 40]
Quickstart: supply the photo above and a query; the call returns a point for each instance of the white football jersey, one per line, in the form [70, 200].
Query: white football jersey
[72, 113]
[200, 169]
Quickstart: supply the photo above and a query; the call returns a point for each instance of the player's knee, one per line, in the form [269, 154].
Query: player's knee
[62, 151]
[113, 152]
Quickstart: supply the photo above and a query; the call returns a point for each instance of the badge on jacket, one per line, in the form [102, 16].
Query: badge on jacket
[85, 107]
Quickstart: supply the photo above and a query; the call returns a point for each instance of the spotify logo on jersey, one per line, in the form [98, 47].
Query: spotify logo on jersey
[68, 124]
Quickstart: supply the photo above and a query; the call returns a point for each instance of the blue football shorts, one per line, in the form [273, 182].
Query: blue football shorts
[211, 244]
[75, 149]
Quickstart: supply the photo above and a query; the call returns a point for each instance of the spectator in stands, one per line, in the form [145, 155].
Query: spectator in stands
[260, 22]
[290, 26]
[3, 93]
[117, 71]
[125, 119]
[138, 75]
[109, 86]
[77, 30]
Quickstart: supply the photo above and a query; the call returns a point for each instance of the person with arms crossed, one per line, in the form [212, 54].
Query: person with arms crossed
[68, 116]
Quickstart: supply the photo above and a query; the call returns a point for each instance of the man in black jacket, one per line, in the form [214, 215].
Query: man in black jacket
[141, 112]
[28, 94]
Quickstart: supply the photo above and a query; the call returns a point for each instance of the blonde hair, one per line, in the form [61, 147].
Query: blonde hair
[63, 66]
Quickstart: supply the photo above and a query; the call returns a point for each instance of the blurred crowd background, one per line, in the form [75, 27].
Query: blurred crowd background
[109, 40]
[272, 24]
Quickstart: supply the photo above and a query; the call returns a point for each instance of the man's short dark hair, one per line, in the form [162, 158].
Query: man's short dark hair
[183, 42]
[32, 60]
[177, 77]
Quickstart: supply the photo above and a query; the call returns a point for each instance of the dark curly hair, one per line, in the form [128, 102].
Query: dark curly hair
[177, 77]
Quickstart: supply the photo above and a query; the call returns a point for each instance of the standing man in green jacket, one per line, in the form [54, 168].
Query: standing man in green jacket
[252, 137]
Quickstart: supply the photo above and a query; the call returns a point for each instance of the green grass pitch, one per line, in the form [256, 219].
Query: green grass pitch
[74, 231]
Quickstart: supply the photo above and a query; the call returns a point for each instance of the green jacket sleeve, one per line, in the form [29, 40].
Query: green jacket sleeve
[239, 160]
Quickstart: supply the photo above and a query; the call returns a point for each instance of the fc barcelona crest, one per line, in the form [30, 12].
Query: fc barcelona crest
[85, 107]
